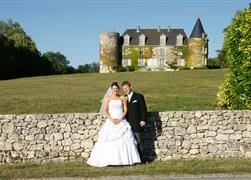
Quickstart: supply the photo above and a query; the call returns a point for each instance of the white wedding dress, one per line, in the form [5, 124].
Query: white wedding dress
[116, 144]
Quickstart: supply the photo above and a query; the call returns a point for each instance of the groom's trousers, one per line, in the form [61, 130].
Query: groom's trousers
[140, 146]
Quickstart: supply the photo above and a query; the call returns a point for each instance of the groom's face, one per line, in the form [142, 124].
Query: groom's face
[127, 89]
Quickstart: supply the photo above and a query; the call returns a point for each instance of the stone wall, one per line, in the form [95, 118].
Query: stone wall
[168, 135]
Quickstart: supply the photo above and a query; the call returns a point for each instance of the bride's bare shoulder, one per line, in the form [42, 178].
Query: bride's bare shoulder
[122, 97]
[107, 98]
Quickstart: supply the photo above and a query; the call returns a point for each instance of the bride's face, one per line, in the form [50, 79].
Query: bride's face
[115, 90]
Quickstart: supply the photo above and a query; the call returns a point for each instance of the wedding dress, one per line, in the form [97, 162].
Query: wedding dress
[116, 144]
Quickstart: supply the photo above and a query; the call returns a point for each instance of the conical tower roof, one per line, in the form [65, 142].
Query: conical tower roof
[197, 30]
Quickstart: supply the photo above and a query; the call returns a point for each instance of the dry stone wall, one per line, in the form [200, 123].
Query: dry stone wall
[43, 138]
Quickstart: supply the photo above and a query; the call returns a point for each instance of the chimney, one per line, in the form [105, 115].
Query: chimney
[138, 28]
[168, 29]
[158, 28]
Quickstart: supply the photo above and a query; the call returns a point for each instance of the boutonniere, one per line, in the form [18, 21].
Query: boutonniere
[126, 98]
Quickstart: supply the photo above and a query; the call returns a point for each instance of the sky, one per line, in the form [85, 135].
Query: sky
[73, 26]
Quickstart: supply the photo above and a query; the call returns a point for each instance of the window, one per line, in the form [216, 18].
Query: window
[180, 53]
[179, 40]
[142, 40]
[205, 62]
[126, 51]
[126, 62]
[162, 62]
[162, 51]
[141, 52]
[180, 62]
[126, 40]
[163, 40]
[205, 50]
[141, 62]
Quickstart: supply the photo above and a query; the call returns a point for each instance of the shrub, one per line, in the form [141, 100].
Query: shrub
[121, 69]
[222, 95]
[237, 40]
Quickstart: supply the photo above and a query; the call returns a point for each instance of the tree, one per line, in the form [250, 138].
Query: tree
[59, 62]
[218, 62]
[84, 68]
[19, 56]
[88, 68]
[213, 63]
[222, 58]
[94, 67]
[71, 70]
[235, 92]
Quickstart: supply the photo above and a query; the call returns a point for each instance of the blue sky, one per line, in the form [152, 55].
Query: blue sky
[73, 27]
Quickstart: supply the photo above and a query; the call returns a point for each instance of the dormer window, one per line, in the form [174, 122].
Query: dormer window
[142, 40]
[126, 40]
[163, 40]
[179, 40]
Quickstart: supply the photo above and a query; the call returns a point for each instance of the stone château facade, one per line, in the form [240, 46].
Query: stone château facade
[154, 49]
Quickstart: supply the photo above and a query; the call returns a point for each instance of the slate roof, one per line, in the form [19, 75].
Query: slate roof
[197, 30]
[153, 36]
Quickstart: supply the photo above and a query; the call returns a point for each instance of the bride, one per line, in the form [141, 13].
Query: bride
[116, 144]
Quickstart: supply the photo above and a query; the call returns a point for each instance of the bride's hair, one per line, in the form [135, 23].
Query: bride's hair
[115, 84]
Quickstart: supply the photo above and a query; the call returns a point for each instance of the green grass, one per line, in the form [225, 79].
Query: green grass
[182, 90]
[171, 167]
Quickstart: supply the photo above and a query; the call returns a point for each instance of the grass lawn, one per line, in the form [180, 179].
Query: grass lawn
[182, 90]
[171, 167]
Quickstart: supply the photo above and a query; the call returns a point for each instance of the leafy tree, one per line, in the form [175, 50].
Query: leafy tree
[71, 70]
[19, 56]
[59, 62]
[83, 68]
[218, 62]
[222, 58]
[88, 68]
[20, 39]
[235, 92]
[213, 63]
[94, 67]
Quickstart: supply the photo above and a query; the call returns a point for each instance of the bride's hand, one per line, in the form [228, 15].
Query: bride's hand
[116, 121]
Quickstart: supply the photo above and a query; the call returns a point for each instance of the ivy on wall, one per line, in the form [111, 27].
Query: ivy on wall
[134, 54]
[184, 50]
[195, 45]
[109, 58]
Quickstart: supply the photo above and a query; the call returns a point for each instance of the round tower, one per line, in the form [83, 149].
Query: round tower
[109, 51]
[197, 47]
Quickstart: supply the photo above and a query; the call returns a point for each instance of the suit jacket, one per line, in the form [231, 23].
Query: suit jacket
[137, 111]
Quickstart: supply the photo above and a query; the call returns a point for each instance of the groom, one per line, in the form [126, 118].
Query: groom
[136, 115]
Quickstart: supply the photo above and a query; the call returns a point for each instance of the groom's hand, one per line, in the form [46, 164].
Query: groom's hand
[142, 123]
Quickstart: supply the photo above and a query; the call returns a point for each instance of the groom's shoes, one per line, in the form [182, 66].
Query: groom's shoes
[144, 161]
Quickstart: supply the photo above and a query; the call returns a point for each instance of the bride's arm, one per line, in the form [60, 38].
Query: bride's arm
[124, 107]
[105, 109]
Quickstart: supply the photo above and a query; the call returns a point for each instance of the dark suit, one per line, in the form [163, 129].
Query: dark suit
[136, 112]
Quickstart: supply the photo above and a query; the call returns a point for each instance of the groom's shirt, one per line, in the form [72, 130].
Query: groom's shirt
[130, 96]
